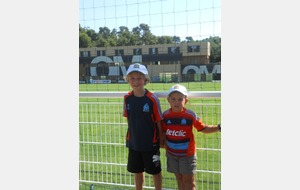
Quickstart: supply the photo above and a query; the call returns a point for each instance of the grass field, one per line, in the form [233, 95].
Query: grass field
[101, 123]
[155, 87]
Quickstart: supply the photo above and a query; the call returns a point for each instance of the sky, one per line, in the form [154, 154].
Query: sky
[196, 18]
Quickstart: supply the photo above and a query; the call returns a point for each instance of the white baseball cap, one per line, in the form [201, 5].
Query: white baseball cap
[137, 67]
[178, 88]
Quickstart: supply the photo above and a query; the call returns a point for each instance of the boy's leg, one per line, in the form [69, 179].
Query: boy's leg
[188, 166]
[139, 181]
[189, 181]
[135, 165]
[157, 179]
[179, 181]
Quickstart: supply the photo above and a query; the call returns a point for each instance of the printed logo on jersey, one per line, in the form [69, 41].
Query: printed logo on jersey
[168, 122]
[180, 133]
[128, 107]
[183, 122]
[146, 108]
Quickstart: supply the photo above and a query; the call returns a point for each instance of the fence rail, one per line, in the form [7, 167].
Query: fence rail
[103, 155]
[191, 94]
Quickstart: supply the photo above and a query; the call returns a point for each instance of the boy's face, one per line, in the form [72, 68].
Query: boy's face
[136, 80]
[177, 101]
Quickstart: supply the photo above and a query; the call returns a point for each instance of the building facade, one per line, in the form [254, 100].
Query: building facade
[184, 62]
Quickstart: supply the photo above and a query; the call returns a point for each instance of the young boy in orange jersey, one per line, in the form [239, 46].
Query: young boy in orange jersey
[179, 139]
[143, 112]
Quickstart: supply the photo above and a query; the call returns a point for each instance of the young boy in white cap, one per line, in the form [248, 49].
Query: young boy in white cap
[143, 112]
[180, 145]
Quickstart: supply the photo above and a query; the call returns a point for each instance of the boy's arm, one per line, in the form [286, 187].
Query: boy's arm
[211, 129]
[161, 135]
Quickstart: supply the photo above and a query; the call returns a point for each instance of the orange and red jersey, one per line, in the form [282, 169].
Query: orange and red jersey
[142, 115]
[179, 131]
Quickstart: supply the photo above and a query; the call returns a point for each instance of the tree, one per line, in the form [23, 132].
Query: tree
[123, 36]
[164, 39]
[113, 38]
[84, 40]
[136, 36]
[215, 48]
[136, 31]
[189, 39]
[104, 32]
[101, 42]
[176, 39]
[147, 37]
[111, 42]
[150, 39]
[123, 29]
[92, 34]
[81, 29]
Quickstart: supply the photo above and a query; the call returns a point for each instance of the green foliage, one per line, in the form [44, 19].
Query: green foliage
[165, 39]
[215, 48]
[189, 39]
[84, 40]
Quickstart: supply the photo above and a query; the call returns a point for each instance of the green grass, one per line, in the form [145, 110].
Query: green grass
[160, 87]
[105, 124]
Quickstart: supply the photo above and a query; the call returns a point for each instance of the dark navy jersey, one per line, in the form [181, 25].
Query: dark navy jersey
[142, 115]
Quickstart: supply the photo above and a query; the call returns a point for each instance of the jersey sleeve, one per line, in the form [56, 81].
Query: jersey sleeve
[197, 122]
[124, 106]
[156, 108]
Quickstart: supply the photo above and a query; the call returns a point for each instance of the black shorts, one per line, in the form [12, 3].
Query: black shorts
[148, 161]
